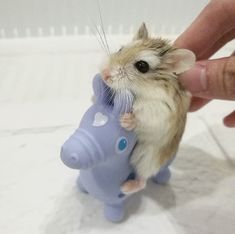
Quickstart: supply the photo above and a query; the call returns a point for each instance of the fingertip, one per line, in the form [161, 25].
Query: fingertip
[194, 79]
[197, 103]
[229, 121]
[228, 124]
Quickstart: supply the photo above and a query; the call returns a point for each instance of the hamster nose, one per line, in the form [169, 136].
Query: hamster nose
[106, 74]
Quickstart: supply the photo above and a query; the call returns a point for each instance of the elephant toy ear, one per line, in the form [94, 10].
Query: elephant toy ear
[123, 102]
[101, 91]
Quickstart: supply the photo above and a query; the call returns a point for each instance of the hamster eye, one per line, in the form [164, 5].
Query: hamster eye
[142, 66]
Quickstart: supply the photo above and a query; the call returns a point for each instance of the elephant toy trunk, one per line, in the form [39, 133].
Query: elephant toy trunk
[81, 151]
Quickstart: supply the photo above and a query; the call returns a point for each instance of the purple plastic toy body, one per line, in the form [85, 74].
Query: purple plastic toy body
[100, 148]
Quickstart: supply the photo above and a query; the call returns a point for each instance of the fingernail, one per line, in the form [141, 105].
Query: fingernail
[195, 79]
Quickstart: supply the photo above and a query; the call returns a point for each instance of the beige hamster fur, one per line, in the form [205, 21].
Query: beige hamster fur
[149, 68]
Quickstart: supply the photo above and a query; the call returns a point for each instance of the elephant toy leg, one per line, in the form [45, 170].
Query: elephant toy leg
[80, 186]
[163, 176]
[114, 212]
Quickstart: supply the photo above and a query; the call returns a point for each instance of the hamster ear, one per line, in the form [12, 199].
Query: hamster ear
[179, 60]
[142, 33]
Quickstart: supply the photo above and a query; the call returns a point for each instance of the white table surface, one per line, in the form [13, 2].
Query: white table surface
[45, 87]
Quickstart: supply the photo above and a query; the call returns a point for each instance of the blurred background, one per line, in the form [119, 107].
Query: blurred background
[49, 54]
[22, 18]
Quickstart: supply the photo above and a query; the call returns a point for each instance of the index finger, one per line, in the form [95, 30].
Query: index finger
[216, 19]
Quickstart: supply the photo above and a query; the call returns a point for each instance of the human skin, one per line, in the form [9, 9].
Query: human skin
[211, 79]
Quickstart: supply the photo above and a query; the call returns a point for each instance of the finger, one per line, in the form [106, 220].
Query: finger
[211, 79]
[216, 19]
[197, 103]
[217, 45]
[229, 120]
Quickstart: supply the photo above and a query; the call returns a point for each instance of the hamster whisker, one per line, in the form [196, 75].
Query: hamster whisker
[127, 76]
[128, 102]
[109, 94]
[102, 26]
[112, 96]
[95, 30]
[125, 100]
[101, 39]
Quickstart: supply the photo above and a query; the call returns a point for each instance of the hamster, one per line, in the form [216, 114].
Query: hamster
[148, 67]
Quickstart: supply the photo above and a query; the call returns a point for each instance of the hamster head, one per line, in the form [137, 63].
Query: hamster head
[143, 60]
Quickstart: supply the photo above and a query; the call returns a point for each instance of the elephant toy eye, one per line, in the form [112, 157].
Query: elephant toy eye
[121, 144]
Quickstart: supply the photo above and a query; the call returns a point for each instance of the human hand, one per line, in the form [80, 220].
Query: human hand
[211, 79]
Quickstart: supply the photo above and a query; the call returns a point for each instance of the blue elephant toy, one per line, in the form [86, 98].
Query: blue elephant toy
[100, 148]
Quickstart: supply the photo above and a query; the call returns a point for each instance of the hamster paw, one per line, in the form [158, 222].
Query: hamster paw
[128, 121]
[133, 186]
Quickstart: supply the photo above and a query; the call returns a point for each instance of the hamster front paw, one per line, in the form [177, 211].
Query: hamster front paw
[133, 186]
[128, 121]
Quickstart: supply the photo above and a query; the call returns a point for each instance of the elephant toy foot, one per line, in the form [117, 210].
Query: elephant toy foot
[163, 176]
[114, 212]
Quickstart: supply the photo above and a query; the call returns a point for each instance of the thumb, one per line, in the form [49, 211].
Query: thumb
[211, 79]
